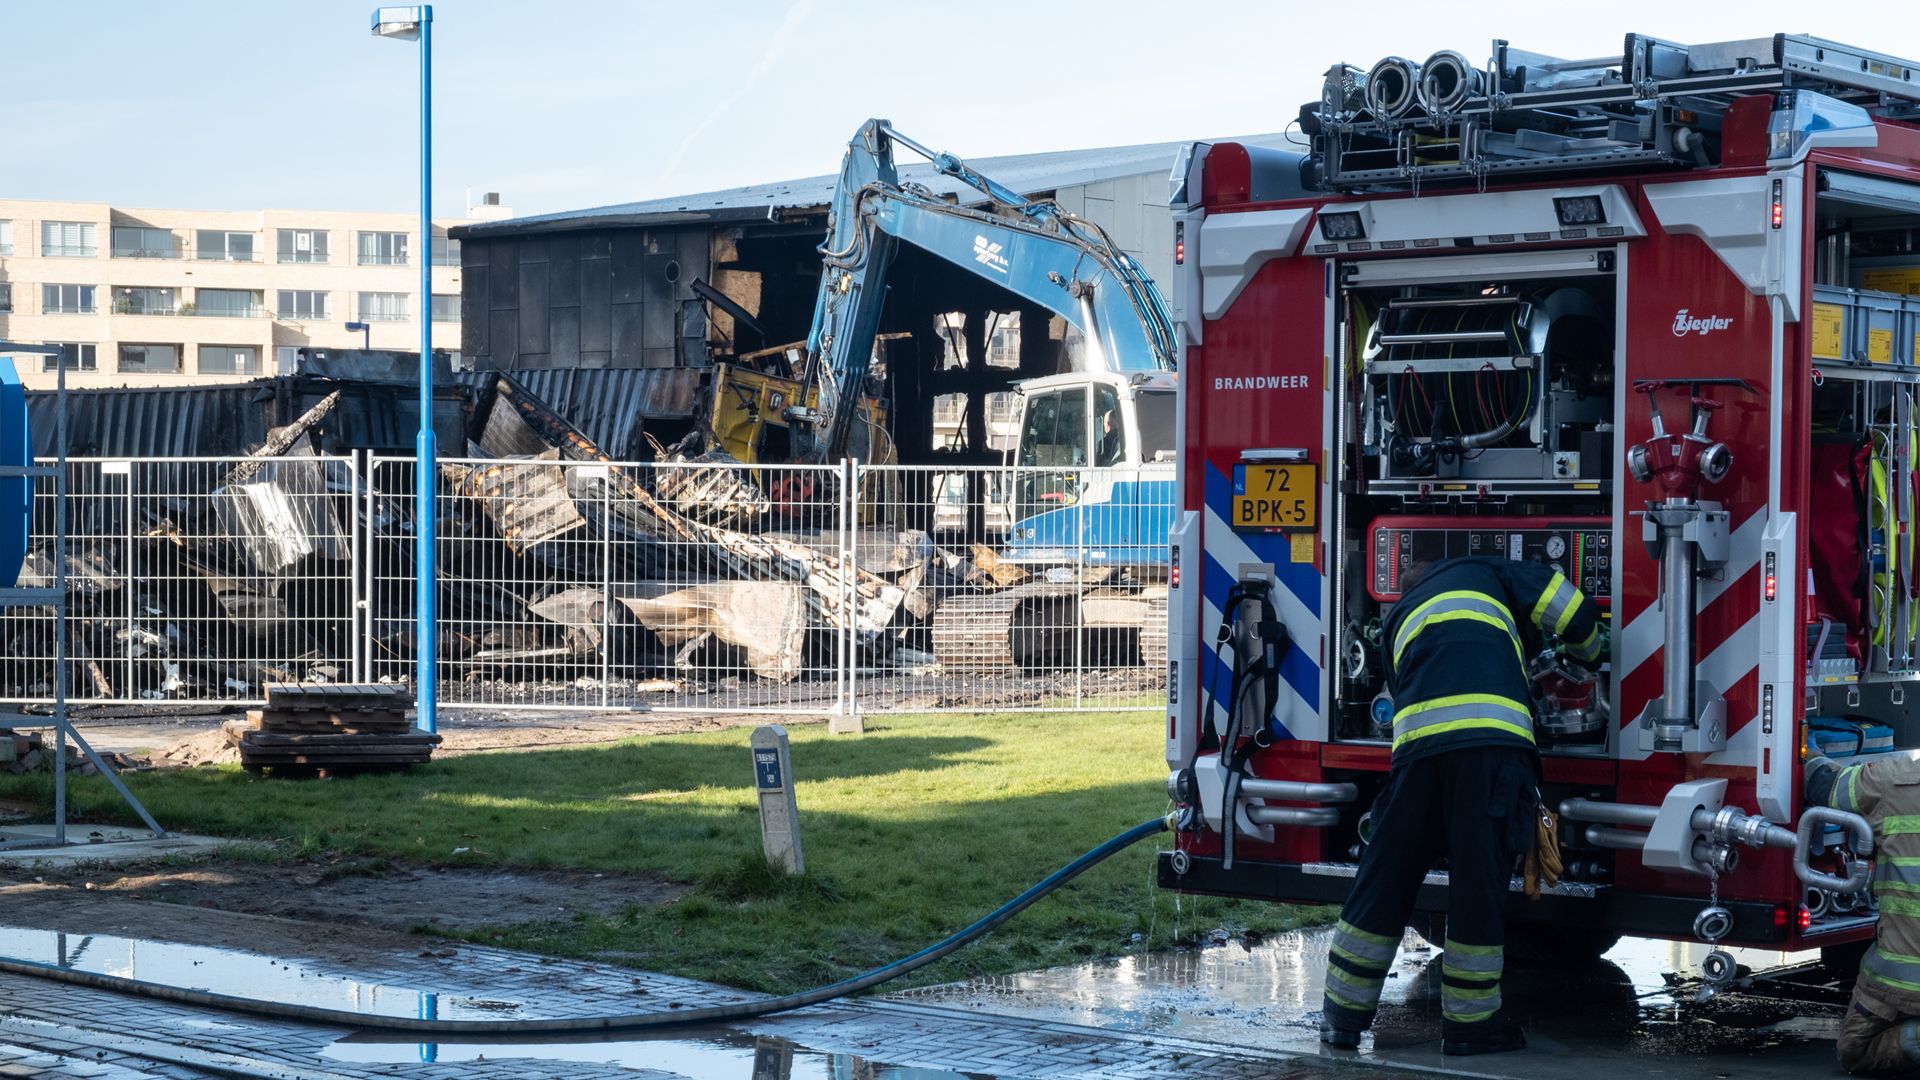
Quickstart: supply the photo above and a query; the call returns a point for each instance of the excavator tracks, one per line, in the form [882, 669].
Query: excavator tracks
[1046, 626]
[1027, 626]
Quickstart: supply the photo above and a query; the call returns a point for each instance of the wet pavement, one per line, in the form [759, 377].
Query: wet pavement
[1622, 1013]
[1227, 1011]
[70, 1031]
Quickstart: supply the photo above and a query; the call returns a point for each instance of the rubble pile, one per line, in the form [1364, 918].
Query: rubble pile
[556, 566]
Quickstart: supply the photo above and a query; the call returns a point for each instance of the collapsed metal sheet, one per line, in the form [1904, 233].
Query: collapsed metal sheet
[765, 619]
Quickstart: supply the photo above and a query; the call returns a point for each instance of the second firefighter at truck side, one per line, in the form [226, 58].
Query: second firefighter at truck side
[1463, 785]
[1881, 1031]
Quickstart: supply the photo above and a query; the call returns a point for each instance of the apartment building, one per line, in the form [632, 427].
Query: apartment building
[162, 297]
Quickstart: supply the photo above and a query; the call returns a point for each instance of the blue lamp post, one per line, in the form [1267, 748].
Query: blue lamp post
[409, 24]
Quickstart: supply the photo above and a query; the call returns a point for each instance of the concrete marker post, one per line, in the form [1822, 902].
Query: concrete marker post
[779, 814]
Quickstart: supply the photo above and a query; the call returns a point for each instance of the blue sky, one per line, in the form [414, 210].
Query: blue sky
[570, 103]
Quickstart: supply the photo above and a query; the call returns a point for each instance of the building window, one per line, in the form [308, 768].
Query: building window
[74, 356]
[66, 299]
[383, 307]
[302, 304]
[229, 360]
[6, 237]
[446, 251]
[68, 239]
[139, 242]
[219, 245]
[144, 300]
[227, 303]
[446, 308]
[151, 359]
[287, 359]
[302, 245]
[6, 296]
[383, 249]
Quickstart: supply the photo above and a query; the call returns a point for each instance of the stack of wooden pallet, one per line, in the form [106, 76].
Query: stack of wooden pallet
[331, 729]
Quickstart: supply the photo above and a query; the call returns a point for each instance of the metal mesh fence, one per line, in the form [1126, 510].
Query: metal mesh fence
[596, 585]
[684, 586]
[1032, 587]
[192, 580]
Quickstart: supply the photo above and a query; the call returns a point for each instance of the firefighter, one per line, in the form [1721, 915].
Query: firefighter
[1881, 1032]
[1462, 785]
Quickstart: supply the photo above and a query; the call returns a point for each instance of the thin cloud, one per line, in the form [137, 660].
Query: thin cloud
[776, 47]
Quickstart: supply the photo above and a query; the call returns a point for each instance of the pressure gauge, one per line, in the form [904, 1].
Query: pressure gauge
[1556, 547]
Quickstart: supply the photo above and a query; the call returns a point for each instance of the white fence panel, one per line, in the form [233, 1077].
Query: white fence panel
[694, 587]
[1036, 588]
[192, 580]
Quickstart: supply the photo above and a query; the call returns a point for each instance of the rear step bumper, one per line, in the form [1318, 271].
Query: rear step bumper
[1635, 914]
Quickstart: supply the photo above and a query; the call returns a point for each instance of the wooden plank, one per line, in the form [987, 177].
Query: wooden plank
[256, 737]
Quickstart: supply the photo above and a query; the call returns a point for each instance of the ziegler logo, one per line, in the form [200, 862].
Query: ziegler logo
[988, 254]
[1684, 323]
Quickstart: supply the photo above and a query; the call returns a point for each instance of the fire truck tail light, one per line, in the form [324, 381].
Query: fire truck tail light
[1179, 243]
[1806, 918]
[1779, 209]
[1772, 580]
[1580, 210]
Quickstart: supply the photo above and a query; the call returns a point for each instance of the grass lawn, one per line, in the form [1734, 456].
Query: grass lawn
[911, 831]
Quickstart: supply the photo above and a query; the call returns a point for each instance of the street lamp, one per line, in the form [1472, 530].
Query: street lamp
[409, 24]
[365, 330]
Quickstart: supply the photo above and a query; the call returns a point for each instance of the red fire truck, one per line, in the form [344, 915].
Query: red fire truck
[1652, 319]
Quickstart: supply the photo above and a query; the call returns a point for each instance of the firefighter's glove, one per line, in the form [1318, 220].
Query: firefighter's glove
[1542, 866]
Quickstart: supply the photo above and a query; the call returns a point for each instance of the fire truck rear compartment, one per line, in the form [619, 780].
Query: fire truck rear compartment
[1481, 415]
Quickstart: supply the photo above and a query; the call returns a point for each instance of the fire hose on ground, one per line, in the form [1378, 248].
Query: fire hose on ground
[645, 1021]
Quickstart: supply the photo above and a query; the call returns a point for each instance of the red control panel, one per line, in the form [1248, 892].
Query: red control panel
[1579, 547]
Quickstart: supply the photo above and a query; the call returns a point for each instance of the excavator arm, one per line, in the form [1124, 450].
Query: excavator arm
[1032, 248]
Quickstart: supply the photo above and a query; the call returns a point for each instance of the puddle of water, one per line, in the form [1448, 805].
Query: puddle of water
[720, 1057]
[240, 974]
[1269, 996]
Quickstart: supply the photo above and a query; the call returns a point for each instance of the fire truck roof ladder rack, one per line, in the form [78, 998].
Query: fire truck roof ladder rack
[1658, 104]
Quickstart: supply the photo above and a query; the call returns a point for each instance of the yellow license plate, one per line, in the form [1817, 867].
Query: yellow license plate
[1276, 496]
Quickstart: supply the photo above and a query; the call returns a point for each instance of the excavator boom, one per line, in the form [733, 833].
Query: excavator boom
[1035, 250]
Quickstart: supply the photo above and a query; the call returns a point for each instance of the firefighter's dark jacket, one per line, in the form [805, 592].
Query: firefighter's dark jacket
[1457, 644]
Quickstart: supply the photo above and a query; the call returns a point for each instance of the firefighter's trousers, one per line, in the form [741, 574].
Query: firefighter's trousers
[1875, 1037]
[1475, 807]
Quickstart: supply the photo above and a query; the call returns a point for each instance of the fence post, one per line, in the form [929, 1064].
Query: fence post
[356, 653]
[606, 585]
[846, 710]
[126, 570]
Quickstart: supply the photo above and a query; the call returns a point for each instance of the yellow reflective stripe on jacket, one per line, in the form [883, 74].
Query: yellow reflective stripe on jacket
[1458, 604]
[1846, 789]
[1590, 648]
[1459, 712]
[1557, 603]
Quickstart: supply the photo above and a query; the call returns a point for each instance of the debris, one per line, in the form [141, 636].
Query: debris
[768, 620]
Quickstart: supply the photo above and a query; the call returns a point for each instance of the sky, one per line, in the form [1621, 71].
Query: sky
[567, 104]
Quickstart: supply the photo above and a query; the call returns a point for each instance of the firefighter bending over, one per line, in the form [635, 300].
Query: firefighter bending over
[1462, 785]
[1881, 1032]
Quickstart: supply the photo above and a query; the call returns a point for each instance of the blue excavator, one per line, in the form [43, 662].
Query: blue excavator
[1088, 488]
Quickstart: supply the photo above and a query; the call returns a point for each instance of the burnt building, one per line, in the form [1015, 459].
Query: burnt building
[622, 286]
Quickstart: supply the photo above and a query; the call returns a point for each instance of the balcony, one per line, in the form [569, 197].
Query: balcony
[69, 251]
[402, 317]
[383, 260]
[306, 257]
[134, 307]
[225, 311]
[67, 309]
[146, 251]
[206, 255]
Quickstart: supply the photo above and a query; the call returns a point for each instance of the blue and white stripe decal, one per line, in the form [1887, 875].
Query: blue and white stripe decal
[1296, 715]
